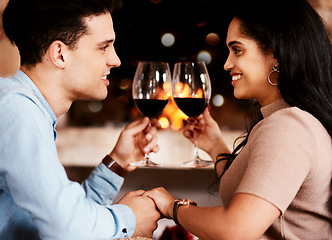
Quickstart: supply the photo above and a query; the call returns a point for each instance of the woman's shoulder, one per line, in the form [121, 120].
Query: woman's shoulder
[291, 133]
[292, 123]
[295, 117]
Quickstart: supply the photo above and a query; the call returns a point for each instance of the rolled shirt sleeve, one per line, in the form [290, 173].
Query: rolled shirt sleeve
[103, 185]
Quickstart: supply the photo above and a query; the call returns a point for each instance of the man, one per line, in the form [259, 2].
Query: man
[67, 51]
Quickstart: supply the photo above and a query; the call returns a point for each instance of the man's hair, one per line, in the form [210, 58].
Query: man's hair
[32, 25]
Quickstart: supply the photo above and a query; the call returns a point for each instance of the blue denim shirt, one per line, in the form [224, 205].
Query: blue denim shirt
[36, 198]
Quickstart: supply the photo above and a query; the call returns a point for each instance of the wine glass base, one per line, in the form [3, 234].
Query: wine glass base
[197, 163]
[147, 164]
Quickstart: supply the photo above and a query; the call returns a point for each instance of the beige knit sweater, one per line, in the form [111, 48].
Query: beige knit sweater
[288, 162]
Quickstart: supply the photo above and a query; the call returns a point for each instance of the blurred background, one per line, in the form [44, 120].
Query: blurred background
[163, 30]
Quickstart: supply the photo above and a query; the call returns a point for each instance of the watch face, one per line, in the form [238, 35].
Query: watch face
[185, 202]
[182, 201]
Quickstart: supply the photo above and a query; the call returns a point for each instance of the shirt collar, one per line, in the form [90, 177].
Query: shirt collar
[23, 79]
[273, 107]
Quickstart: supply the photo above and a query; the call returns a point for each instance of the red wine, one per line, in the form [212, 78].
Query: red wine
[192, 107]
[151, 108]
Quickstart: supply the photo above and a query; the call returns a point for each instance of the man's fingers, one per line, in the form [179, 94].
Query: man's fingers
[137, 126]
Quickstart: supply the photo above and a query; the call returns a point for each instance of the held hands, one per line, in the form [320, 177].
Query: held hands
[149, 207]
[210, 137]
[164, 200]
[145, 212]
[135, 140]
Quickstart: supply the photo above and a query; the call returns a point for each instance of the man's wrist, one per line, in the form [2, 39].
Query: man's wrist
[111, 164]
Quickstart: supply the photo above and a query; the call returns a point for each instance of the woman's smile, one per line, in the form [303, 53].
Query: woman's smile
[236, 78]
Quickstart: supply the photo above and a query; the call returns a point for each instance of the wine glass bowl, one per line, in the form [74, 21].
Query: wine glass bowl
[192, 92]
[151, 91]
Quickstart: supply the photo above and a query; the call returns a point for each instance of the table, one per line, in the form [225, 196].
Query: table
[194, 184]
[81, 149]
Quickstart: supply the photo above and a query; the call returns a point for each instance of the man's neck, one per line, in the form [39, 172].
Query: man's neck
[49, 84]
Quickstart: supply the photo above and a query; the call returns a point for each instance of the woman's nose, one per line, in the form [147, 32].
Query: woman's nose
[228, 64]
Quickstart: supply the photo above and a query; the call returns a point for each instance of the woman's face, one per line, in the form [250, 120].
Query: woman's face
[249, 67]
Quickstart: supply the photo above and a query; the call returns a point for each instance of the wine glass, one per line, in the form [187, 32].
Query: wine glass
[151, 92]
[192, 92]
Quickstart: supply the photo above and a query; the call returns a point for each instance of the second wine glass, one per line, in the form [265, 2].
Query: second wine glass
[192, 92]
[151, 92]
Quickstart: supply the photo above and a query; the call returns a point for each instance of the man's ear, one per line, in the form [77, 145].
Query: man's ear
[55, 53]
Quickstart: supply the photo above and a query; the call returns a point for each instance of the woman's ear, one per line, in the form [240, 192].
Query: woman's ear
[55, 53]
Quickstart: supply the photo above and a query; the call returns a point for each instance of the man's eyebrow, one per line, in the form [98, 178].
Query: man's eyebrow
[105, 42]
[230, 44]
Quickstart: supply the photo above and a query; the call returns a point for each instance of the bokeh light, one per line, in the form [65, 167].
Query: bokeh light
[218, 100]
[204, 56]
[163, 122]
[125, 84]
[200, 23]
[95, 107]
[212, 39]
[168, 39]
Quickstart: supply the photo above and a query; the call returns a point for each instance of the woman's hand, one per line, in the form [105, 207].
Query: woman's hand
[163, 200]
[137, 139]
[208, 131]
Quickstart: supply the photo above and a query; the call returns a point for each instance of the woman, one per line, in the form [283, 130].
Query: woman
[276, 183]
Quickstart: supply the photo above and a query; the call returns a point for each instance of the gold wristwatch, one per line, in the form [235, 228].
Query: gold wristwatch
[178, 203]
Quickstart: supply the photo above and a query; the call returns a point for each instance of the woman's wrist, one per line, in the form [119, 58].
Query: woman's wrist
[170, 209]
[177, 204]
[216, 152]
[218, 146]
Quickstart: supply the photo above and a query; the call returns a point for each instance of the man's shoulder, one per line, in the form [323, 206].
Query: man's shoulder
[21, 112]
[10, 89]
[17, 100]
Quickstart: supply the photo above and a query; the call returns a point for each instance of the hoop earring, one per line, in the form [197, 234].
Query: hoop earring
[275, 69]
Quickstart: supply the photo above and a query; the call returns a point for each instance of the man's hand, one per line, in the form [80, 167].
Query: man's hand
[163, 200]
[145, 212]
[137, 139]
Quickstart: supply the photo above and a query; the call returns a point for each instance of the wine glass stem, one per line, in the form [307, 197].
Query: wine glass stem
[196, 151]
[147, 158]
[147, 155]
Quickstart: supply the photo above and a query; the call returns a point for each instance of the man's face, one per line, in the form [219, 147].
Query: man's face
[91, 61]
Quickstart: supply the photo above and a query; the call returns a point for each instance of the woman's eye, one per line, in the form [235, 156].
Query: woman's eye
[236, 50]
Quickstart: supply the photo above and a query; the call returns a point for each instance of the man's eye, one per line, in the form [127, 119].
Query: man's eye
[104, 47]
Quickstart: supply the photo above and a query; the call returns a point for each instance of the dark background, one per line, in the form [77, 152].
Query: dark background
[139, 26]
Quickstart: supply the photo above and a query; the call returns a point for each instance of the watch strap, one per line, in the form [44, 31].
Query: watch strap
[111, 164]
[178, 203]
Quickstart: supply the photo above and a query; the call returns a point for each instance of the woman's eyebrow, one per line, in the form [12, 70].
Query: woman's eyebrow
[230, 44]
